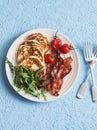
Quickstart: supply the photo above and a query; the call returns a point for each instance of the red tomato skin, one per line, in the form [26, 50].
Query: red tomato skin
[66, 45]
[65, 48]
[56, 43]
[49, 58]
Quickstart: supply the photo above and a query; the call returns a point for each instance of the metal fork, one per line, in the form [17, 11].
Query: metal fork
[94, 88]
[83, 87]
[89, 59]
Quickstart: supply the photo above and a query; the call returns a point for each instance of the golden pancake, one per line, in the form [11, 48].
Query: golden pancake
[29, 44]
[27, 51]
[41, 39]
[31, 52]
[32, 62]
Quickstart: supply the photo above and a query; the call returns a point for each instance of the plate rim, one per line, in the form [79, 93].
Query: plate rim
[78, 64]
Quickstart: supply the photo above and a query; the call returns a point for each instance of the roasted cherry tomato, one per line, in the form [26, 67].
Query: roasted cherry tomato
[65, 48]
[49, 58]
[56, 43]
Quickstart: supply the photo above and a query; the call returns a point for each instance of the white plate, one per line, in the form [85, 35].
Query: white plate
[68, 80]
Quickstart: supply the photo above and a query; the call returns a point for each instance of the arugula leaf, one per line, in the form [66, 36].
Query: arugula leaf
[12, 68]
[27, 80]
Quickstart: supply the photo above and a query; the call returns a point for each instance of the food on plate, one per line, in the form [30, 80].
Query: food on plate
[65, 48]
[40, 39]
[56, 43]
[40, 66]
[27, 80]
[49, 58]
[31, 52]
[56, 72]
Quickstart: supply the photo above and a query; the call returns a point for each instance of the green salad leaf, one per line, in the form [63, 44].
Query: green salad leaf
[27, 80]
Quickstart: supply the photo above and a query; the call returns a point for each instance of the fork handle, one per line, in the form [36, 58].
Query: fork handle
[94, 93]
[82, 90]
[91, 71]
[83, 87]
[94, 88]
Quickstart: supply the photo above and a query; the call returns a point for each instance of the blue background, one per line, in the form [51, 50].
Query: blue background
[78, 20]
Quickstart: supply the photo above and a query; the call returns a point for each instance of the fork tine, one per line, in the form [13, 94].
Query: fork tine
[87, 50]
[90, 50]
[85, 54]
[95, 55]
[95, 52]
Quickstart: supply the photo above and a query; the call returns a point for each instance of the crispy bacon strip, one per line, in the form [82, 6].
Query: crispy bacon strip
[56, 73]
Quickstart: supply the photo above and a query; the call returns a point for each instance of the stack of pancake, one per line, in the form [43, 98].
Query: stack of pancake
[31, 52]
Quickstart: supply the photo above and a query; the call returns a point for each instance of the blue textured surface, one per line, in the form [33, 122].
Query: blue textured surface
[78, 20]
